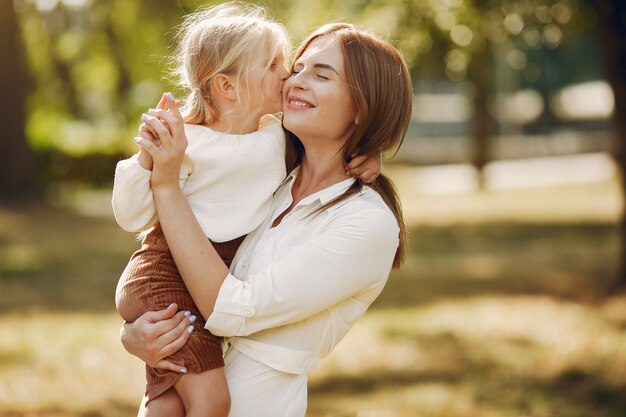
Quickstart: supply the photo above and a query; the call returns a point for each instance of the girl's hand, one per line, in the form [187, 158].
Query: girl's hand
[365, 167]
[155, 335]
[144, 159]
[169, 151]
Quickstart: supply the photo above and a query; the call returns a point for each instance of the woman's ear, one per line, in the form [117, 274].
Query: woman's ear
[224, 87]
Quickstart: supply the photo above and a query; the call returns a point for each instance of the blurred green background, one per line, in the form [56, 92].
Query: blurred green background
[511, 302]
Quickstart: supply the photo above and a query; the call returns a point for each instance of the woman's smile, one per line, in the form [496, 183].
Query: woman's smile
[296, 103]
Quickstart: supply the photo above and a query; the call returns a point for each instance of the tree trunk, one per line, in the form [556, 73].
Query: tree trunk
[612, 16]
[479, 73]
[16, 160]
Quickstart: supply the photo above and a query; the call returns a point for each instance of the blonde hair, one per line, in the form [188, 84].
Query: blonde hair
[382, 91]
[223, 39]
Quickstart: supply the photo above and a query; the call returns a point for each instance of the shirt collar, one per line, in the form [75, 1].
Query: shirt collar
[322, 196]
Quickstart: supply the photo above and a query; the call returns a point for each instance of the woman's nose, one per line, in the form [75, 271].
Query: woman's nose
[296, 80]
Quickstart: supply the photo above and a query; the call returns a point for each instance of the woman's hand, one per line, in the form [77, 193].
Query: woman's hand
[169, 150]
[365, 167]
[155, 335]
[146, 132]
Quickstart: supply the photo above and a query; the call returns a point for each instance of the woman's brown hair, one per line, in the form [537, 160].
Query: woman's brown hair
[382, 91]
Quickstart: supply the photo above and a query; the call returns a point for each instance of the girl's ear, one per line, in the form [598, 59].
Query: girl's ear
[224, 86]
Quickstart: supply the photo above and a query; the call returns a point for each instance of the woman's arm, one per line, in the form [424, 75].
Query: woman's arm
[198, 263]
[348, 261]
[354, 253]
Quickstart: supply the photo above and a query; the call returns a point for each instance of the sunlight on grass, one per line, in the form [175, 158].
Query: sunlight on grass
[71, 363]
[499, 311]
[482, 356]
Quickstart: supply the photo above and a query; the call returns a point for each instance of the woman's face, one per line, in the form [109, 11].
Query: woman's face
[317, 101]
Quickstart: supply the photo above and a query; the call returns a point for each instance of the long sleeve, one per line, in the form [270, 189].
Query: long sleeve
[133, 204]
[349, 259]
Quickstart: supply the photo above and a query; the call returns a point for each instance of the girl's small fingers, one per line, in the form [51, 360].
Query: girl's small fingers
[172, 119]
[162, 102]
[170, 323]
[356, 161]
[173, 105]
[170, 366]
[148, 145]
[157, 125]
[161, 315]
[164, 115]
[148, 135]
[147, 128]
[364, 175]
[369, 179]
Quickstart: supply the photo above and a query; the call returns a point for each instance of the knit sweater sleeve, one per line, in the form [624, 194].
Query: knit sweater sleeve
[133, 203]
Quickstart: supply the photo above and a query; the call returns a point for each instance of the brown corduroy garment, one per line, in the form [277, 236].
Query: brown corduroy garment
[151, 281]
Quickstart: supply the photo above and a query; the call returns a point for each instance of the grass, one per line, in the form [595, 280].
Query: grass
[500, 311]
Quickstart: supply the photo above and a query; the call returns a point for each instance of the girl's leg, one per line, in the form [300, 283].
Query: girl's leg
[168, 404]
[205, 394]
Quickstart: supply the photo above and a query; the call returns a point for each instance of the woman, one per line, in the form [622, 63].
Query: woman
[323, 255]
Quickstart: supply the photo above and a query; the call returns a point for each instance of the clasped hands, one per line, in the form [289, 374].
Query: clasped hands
[163, 142]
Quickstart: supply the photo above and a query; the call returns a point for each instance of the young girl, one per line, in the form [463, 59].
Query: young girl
[232, 62]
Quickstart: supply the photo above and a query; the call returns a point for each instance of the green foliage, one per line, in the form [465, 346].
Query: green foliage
[98, 64]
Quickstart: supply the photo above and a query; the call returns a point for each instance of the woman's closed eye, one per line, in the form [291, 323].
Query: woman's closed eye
[318, 75]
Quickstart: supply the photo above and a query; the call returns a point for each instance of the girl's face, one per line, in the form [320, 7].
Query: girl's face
[265, 84]
[317, 101]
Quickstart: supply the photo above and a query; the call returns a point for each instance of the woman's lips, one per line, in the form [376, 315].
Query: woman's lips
[297, 103]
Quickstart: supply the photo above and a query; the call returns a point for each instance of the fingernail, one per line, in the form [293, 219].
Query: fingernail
[187, 313]
[190, 329]
[192, 319]
[145, 117]
[136, 140]
[183, 370]
[170, 96]
[173, 304]
[151, 110]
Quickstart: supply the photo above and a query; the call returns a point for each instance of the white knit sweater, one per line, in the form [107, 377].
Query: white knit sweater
[227, 179]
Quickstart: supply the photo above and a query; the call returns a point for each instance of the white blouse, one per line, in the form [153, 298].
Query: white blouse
[228, 180]
[296, 289]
